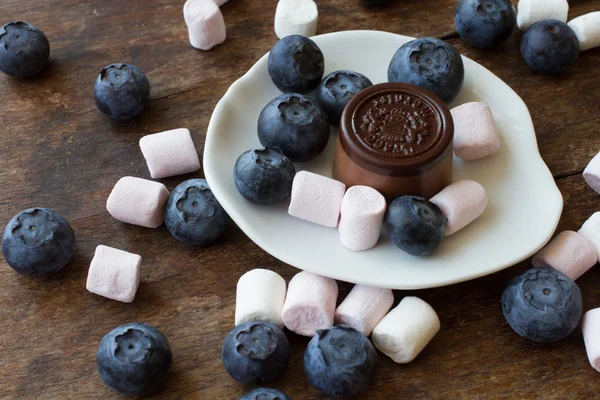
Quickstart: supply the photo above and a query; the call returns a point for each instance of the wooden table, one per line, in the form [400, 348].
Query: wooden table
[58, 151]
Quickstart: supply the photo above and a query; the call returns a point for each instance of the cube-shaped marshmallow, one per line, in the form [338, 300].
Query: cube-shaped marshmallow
[475, 133]
[114, 274]
[587, 29]
[170, 153]
[206, 26]
[316, 198]
[296, 17]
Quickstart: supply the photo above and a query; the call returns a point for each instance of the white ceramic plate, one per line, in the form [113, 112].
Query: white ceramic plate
[524, 206]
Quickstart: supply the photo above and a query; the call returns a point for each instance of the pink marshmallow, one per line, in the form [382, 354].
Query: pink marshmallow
[309, 303]
[364, 307]
[114, 274]
[591, 173]
[590, 326]
[591, 230]
[361, 217]
[462, 203]
[316, 199]
[475, 133]
[170, 153]
[570, 253]
[206, 26]
[138, 201]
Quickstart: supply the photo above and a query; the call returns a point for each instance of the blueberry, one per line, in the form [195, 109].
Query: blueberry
[296, 64]
[122, 91]
[336, 90]
[415, 225]
[256, 353]
[193, 214]
[134, 359]
[549, 46]
[38, 241]
[24, 49]
[265, 394]
[431, 64]
[295, 124]
[340, 361]
[542, 304]
[485, 23]
[264, 176]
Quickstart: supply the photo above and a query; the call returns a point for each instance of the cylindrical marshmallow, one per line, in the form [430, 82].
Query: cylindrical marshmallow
[406, 330]
[532, 11]
[260, 296]
[461, 203]
[587, 29]
[296, 17]
[364, 307]
[309, 304]
[170, 153]
[590, 326]
[475, 133]
[591, 173]
[316, 198]
[114, 274]
[591, 230]
[205, 23]
[570, 253]
[361, 216]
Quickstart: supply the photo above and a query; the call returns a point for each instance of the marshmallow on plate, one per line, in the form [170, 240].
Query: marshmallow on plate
[309, 304]
[475, 133]
[587, 29]
[170, 153]
[138, 201]
[364, 307]
[406, 330]
[590, 326]
[462, 202]
[205, 23]
[361, 216]
[296, 17]
[532, 11]
[114, 274]
[570, 253]
[260, 296]
[316, 198]
[591, 230]
[591, 173]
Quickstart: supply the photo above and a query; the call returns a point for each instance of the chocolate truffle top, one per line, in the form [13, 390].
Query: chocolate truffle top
[396, 129]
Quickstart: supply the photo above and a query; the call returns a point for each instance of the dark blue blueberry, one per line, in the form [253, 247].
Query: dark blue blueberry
[264, 176]
[265, 394]
[542, 304]
[122, 91]
[416, 225]
[296, 64]
[255, 353]
[336, 90]
[38, 241]
[295, 124]
[485, 23]
[193, 214]
[340, 362]
[549, 46]
[431, 64]
[134, 359]
[24, 49]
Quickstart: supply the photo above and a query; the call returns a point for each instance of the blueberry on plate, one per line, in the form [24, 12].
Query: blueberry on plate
[340, 361]
[542, 305]
[416, 225]
[336, 90]
[264, 176]
[549, 46]
[122, 91]
[295, 124]
[296, 64]
[38, 241]
[485, 23]
[255, 353]
[193, 214]
[24, 49]
[134, 359]
[265, 394]
[431, 64]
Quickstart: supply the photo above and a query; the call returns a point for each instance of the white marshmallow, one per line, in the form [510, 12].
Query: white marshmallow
[309, 304]
[138, 201]
[205, 23]
[114, 274]
[406, 330]
[361, 216]
[364, 307]
[587, 29]
[590, 326]
[462, 202]
[591, 173]
[570, 253]
[591, 230]
[170, 153]
[296, 17]
[475, 133]
[316, 198]
[532, 11]
[260, 296]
